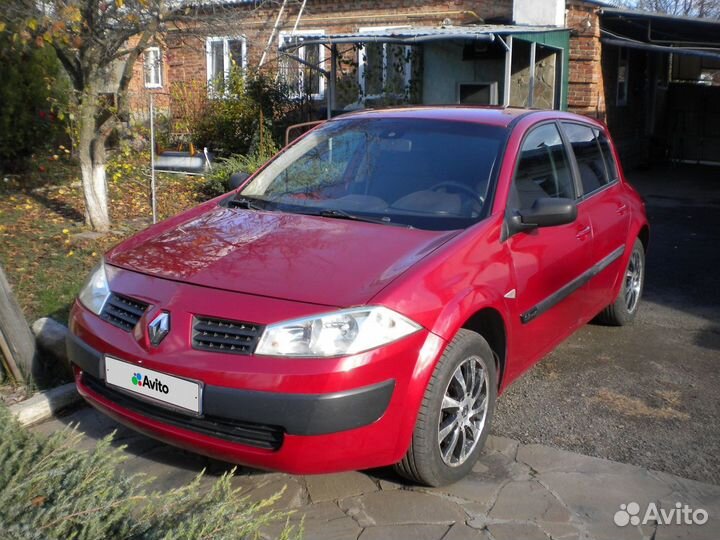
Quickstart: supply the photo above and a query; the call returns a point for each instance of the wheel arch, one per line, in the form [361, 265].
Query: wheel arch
[489, 323]
[642, 233]
[644, 236]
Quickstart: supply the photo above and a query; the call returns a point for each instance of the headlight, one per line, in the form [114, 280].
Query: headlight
[341, 333]
[95, 291]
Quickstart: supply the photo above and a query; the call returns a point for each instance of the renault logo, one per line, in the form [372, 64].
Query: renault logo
[159, 327]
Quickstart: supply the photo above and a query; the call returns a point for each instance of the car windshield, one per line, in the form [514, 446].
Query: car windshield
[429, 174]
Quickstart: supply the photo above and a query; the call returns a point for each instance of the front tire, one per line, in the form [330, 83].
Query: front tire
[455, 415]
[624, 310]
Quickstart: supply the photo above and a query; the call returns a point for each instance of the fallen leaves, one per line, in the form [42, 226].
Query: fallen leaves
[41, 214]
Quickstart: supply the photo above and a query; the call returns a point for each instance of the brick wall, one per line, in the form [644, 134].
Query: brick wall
[586, 92]
[593, 85]
[184, 57]
[138, 94]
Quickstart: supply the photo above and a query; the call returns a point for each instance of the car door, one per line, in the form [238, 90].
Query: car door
[602, 200]
[547, 261]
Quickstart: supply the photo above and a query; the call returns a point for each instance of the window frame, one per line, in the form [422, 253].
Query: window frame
[227, 60]
[582, 195]
[157, 67]
[512, 203]
[611, 155]
[282, 37]
[621, 96]
[362, 62]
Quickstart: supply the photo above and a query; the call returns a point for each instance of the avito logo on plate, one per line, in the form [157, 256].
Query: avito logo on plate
[139, 380]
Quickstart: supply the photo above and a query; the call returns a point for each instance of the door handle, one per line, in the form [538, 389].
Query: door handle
[621, 209]
[582, 234]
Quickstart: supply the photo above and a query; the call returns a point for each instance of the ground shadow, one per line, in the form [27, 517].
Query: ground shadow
[61, 208]
[97, 426]
[683, 206]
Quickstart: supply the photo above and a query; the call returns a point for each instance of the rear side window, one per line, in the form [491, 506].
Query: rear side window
[543, 168]
[589, 156]
[608, 156]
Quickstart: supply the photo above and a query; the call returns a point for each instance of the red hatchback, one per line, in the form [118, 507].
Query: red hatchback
[363, 299]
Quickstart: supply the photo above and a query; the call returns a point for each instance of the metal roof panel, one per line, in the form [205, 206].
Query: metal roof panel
[420, 34]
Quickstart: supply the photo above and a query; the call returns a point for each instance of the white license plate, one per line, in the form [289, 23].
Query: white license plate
[154, 385]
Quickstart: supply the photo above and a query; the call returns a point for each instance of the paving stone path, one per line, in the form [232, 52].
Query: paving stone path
[515, 492]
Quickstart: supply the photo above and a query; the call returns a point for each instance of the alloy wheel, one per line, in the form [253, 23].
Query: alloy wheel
[463, 411]
[633, 281]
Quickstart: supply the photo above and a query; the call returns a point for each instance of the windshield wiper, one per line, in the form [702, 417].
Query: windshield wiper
[342, 214]
[244, 202]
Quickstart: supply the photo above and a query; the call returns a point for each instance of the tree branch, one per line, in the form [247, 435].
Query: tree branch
[72, 67]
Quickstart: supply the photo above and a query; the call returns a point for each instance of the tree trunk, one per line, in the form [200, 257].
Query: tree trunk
[91, 150]
[17, 343]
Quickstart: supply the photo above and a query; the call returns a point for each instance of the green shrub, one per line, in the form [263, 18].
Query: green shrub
[218, 182]
[251, 106]
[33, 92]
[51, 490]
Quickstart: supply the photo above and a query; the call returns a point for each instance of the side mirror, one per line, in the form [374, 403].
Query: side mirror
[545, 212]
[238, 179]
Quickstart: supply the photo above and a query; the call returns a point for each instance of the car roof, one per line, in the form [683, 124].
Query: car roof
[495, 116]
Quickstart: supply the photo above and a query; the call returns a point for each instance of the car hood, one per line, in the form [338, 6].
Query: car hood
[309, 259]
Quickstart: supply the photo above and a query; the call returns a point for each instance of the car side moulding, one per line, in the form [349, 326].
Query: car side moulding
[562, 293]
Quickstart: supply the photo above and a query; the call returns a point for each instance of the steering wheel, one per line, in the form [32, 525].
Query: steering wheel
[461, 187]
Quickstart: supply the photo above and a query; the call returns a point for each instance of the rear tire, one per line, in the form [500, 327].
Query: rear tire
[625, 307]
[455, 414]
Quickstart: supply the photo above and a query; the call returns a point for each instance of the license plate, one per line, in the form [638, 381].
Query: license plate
[153, 385]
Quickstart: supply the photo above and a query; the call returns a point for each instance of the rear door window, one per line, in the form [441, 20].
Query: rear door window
[590, 159]
[543, 168]
[608, 156]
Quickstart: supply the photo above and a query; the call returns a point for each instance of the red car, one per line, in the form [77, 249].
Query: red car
[363, 299]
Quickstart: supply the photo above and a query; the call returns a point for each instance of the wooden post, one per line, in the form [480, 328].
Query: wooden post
[17, 343]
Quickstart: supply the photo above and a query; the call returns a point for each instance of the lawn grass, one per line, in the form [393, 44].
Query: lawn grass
[41, 216]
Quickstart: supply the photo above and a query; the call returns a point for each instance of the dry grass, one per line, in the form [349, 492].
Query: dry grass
[635, 407]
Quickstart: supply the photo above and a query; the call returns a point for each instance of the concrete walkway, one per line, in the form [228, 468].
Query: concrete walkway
[515, 492]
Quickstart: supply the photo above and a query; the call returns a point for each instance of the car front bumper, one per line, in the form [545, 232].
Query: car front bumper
[359, 414]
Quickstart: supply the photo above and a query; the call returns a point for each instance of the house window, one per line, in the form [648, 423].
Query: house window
[384, 68]
[153, 67]
[223, 53]
[301, 77]
[622, 77]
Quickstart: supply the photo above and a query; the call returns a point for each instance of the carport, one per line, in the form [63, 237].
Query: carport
[662, 84]
[524, 66]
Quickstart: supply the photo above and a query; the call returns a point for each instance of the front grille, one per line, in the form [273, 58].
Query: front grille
[247, 433]
[221, 335]
[122, 311]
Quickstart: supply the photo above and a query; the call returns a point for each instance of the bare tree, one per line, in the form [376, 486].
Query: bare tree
[689, 8]
[93, 38]
[89, 37]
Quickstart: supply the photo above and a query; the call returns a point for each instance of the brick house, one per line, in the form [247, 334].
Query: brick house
[443, 68]
[581, 55]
